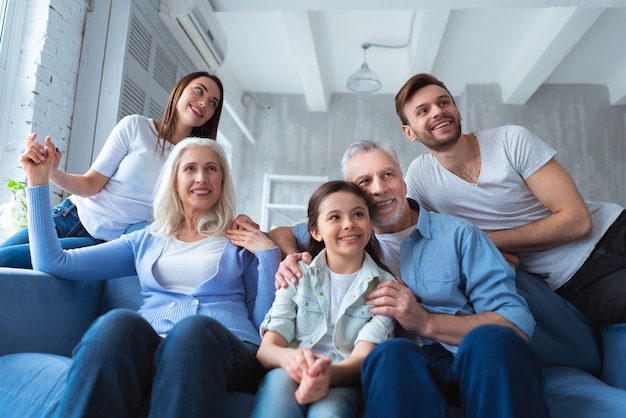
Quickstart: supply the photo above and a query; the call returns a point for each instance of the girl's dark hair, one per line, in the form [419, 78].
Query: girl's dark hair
[167, 125]
[318, 196]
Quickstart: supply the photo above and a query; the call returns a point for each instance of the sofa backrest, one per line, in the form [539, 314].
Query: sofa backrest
[123, 292]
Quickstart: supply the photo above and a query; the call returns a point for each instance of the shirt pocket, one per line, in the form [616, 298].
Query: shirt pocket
[441, 286]
[355, 318]
[310, 319]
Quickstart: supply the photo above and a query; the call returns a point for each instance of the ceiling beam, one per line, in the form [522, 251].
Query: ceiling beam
[329, 5]
[305, 54]
[554, 37]
[431, 26]
[232, 102]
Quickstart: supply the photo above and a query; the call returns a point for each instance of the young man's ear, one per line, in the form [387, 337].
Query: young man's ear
[408, 132]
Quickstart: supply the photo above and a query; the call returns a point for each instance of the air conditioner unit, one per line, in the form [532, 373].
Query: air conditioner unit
[194, 25]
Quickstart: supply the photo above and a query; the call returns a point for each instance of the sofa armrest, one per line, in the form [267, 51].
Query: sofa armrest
[42, 313]
[614, 355]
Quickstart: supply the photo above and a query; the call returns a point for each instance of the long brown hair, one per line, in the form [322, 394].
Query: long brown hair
[167, 125]
[313, 212]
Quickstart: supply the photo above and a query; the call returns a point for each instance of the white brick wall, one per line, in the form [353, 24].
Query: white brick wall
[45, 86]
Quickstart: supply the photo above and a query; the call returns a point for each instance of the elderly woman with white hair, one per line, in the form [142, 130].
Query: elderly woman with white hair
[206, 289]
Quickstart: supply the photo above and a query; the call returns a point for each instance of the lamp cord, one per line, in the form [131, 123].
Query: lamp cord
[367, 45]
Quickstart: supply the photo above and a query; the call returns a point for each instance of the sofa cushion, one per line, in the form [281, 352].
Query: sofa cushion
[32, 385]
[563, 336]
[573, 393]
[614, 349]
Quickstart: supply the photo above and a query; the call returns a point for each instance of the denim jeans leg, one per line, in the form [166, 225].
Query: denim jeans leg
[399, 378]
[112, 368]
[20, 237]
[497, 375]
[196, 364]
[344, 402]
[15, 251]
[276, 397]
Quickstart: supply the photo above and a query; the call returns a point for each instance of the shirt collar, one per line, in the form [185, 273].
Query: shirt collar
[423, 220]
[370, 269]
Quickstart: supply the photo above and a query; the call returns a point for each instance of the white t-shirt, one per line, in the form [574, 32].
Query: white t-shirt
[132, 161]
[501, 200]
[339, 284]
[390, 248]
[183, 266]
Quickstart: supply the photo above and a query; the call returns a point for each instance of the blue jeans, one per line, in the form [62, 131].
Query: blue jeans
[15, 251]
[598, 288]
[276, 399]
[494, 374]
[122, 368]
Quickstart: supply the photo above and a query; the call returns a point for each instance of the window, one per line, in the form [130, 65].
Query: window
[11, 24]
[3, 14]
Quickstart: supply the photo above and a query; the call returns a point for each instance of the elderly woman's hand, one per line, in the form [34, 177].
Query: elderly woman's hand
[37, 160]
[250, 237]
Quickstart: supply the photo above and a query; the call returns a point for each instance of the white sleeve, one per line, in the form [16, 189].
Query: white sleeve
[116, 147]
[525, 151]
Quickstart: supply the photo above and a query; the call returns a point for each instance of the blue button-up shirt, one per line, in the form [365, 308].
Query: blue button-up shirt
[454, 268]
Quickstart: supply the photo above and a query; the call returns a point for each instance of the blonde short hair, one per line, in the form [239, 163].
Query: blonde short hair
[167, 207]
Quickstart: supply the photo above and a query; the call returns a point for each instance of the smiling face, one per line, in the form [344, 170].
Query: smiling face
[344, 225]
[376, 172]
[434, 119]
[198, 180]
[198, 102]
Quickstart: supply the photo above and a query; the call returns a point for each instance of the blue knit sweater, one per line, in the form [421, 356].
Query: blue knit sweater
[238, 295]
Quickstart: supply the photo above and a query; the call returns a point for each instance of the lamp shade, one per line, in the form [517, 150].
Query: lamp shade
[364, 80]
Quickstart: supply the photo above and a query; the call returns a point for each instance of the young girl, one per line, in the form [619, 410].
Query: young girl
[116, 192]
[317, 332]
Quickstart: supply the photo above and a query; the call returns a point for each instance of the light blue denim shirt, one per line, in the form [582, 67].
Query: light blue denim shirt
[300, 312]
[454, 268]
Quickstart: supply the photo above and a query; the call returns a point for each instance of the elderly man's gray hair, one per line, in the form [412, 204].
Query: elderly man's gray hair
[365, 146]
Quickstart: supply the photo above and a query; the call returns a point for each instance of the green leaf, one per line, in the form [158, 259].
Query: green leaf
[14, 185]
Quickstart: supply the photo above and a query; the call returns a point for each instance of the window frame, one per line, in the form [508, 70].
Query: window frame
[10, 40]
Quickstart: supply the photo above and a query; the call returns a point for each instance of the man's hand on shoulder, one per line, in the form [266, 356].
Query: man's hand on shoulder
[288, 270]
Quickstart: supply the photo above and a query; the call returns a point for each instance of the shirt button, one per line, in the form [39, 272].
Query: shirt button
[194, 303]
[172, 305]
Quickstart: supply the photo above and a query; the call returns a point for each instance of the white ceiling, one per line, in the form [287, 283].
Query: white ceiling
[311, 47]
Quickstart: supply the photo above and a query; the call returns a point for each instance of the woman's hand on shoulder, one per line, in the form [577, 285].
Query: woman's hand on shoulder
[247, 234]
[243, 219]
[37, 160]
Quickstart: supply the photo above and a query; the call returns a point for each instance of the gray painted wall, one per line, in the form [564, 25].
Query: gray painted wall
[588, 133]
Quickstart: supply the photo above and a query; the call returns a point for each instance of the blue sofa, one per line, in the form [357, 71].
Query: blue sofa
[43, 317]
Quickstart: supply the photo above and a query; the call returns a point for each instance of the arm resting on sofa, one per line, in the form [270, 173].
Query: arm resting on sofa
[42, 313]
